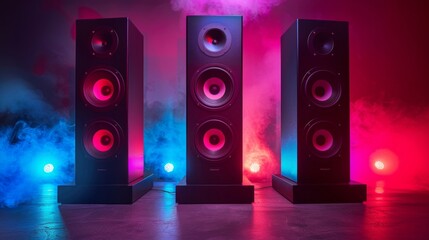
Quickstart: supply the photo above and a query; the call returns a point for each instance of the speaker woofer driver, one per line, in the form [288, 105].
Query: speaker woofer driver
[322, 87]
[102, 139]
[214, 140]
[104, 41]
[214, 87]
[214, 40]
[323, 138]
[103, 87]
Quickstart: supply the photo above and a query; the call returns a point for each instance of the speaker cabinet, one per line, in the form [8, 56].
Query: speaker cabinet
[109, 114]
[109, 102]
[315, 102]
[214, 99]
[315, 130]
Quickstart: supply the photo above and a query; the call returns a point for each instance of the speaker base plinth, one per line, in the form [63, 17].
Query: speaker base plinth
[351, 192]
[214, 193]
[105, 194]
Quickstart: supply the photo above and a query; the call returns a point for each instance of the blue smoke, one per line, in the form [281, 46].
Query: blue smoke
[32, 135]
[19, 100]
[165, 140]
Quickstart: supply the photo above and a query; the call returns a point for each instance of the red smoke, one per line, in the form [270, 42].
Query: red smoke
[396, 136]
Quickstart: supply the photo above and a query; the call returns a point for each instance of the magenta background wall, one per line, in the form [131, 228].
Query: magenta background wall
[388, 64]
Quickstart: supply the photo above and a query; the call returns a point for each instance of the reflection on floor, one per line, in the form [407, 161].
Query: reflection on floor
[387, 215]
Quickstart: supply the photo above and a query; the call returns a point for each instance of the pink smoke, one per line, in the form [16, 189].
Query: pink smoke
[261, 99]
[249, 9]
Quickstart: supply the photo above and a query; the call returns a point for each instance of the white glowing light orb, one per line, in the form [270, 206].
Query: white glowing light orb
[379, 165]
[168, 167]
[255, 167]
[379, 187]
[48, 168]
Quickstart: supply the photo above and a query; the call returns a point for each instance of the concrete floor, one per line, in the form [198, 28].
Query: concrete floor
[391, 215]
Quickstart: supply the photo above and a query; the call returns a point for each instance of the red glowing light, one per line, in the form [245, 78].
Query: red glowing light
[214, 139]
[103, 89]
[209, 39]
[255, 167]
[379, 187]
[103, 140]
[379, 190]
[384, 162]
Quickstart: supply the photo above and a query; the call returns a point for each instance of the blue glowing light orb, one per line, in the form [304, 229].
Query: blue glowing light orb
[48, 168]
[168, 167]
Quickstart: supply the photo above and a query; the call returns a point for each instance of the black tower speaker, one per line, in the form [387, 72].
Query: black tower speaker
[214, 111]
[214, 99]
[109, 107]
[315, 131]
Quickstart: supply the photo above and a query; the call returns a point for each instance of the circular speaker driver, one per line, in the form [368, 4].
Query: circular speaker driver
[321, 90]
[104, 41]
[322, 87]
[102, 138]
[321, 42]
[214, 40]
[323, 138]
[102, 87]
[214, 87]
[214, 139]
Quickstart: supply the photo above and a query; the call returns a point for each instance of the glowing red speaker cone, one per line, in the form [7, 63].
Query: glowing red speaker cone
[103, 140]
[103, 89]
[214, 139]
